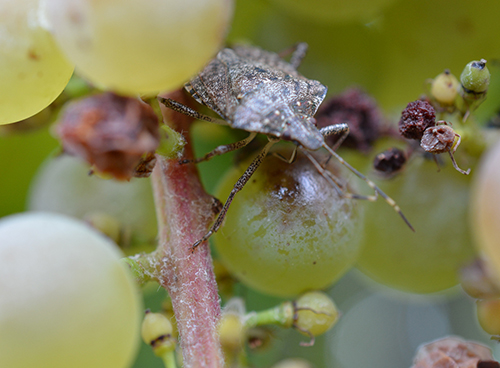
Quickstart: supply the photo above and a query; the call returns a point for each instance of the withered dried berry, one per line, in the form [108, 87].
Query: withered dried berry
[111, 132]
[359, 111]
[438, 139]
[416, 118]
[390, 161]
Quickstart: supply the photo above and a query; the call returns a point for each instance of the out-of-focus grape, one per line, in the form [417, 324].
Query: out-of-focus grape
[485, 204]
[63, 185]
[67, 300]
[427, 260]
[138, 47]
[287, 231]
[488, 314]
[335, 10]
[33, 71]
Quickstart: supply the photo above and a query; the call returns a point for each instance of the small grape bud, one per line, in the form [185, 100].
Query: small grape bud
[315, 313]
[444, 88]
[475, 79]
[416, 118]
[157, 331]
[231, 333]
[488, 315]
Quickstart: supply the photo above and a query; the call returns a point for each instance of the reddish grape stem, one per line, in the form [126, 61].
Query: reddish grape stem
[184, 213]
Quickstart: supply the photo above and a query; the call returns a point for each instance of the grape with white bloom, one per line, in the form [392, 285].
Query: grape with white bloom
[138, 46]
[67, 300]
[33, 71]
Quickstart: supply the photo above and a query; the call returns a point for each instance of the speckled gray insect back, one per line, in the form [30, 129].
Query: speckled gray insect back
[259, 92]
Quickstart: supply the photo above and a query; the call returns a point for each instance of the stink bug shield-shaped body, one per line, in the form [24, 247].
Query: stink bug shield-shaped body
[257, 91]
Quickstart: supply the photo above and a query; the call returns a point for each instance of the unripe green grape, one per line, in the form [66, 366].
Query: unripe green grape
[476, 77]
[485, 203]
[67, 300]
[427, 260]
[138, 47]
[33, 72]
[63, 185]
[488, 315]
[287, 231]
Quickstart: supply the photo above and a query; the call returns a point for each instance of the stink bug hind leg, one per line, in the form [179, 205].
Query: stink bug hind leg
[372, 185]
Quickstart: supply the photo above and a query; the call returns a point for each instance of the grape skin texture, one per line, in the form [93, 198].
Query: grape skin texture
[33, 72]
[287, 232]
[134, 46]
[67, 300]
[485, 204]
[428, 259]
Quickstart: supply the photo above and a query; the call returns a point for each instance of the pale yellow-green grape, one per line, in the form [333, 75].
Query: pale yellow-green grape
[436, 204]
[315, 313]
[138, 46]
[336, 10]
[63, 185]
[67, 300]
[287, 231]
[485, 204]
[444, 88]
[33, 71]
[488, 315]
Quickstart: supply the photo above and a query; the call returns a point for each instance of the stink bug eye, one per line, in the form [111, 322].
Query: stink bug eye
[257, 91]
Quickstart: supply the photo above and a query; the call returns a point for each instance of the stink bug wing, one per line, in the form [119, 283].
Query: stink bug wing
[212, 87]
[269, 60]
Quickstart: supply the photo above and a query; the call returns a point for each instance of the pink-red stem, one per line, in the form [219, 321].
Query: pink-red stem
[185, 212]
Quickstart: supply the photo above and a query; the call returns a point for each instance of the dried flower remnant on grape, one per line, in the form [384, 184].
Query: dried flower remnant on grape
[115, 134]
[359, 111]
[440, 139]
[259, 92]
[453, 352]
[390, 162]
[416, 118]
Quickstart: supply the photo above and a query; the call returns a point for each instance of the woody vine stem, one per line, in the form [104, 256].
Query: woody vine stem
[184, 212]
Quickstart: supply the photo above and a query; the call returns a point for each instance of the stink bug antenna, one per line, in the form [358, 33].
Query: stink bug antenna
[371, 184]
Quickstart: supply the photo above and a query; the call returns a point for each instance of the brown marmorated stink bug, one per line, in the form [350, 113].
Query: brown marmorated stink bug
[257, 91]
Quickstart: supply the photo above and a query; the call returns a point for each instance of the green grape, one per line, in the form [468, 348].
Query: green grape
[485, 203]
[488, 315]
[33, 72]
[67, 300]
[315, 313]
[63, 185]
[428, 259]
[335, 10]
[135, 46]
[287, 231]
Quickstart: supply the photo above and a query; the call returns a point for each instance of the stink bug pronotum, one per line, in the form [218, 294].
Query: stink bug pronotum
[257, 91]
